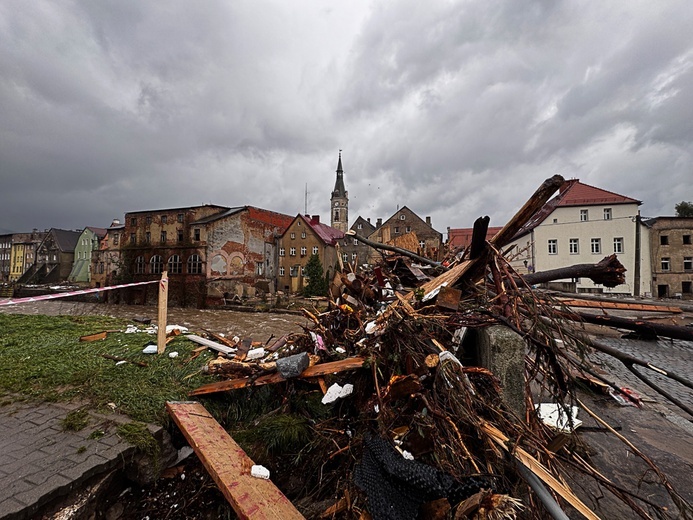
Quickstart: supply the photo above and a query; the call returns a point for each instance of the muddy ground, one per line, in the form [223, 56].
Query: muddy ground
[187, 492]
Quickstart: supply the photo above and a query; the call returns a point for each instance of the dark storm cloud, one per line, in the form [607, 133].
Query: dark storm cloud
[455, 109]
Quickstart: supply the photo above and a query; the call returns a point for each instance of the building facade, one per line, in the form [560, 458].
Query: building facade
[106, 260]
[87, 244]
[305, 236]
[5, 253]
[55, 256]
[405, 229]
[23, 252]
[354, 252]
[241, 251]
[582, 225]
[671, 249]
[172, 240]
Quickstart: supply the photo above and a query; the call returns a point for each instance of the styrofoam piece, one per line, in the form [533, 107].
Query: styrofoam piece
[150, 349]
[556, 416]
[173, 354]
[407, 455]
[258, 471]
[340, 350]
[336, 391]
[256, 353]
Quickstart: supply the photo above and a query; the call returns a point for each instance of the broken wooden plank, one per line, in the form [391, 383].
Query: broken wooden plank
[229, 465]
[315, 371]
[212, 344]
[94, 337]
[619, 305]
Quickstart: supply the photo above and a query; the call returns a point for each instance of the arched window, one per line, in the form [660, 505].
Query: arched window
[156, 265]
[174, 265]
[139, 265]
[194, 264]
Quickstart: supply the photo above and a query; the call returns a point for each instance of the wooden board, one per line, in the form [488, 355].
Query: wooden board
[620, 305]
[315, 371]
[229, 466]
[212, 344]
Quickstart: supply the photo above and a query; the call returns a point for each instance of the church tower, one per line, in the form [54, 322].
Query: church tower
[339, 202]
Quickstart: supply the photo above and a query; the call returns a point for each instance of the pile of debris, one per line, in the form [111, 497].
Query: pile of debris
[409, 424]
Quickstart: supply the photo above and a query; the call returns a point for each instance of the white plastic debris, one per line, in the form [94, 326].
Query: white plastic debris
[407, 455]
[340, 350]
[171, 328]
[236, 339]
[558, 417]
[258, 471]
[434, 292]
[131, 329]
[121, 362]
[373, 329]
[336, 391]
[256, 353]
[173, 354]
[150, 349]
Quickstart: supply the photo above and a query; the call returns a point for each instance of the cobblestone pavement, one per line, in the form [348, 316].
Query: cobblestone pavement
[670, 355]
[40, 460]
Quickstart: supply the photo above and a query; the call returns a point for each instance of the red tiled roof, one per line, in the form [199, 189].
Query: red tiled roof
[327, 234]
[575, 193]
[462, 237]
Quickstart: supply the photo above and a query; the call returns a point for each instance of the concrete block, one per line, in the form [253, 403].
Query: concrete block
[502, 351]
[293, 366]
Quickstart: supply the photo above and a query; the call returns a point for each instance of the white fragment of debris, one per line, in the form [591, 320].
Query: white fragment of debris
[434, 292]
[182, 476]
[131, 329]
[149, 349]
[256, 353]
[317, 341]
[258, 471]
[121, 362]
[173, 354]
[376, 408]
[236, 339]
[336, 391]
[559, 417]
[183, 454]
[372, 329]
[340, 350]
[171, 328]
[407, 455]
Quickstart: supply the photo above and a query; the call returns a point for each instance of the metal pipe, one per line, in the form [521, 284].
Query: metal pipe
[546, 498]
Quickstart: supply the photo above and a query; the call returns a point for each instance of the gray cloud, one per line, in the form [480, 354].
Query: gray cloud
[455, 109]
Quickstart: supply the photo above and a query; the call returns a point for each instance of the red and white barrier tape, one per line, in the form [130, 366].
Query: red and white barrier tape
[71, 293]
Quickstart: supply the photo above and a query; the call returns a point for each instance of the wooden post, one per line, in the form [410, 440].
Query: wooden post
[163, 311]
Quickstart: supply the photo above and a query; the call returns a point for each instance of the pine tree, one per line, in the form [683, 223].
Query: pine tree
[317, 285]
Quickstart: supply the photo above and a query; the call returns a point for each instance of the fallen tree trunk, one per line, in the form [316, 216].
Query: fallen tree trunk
[608, 272]
[648, 329]
[394, 249]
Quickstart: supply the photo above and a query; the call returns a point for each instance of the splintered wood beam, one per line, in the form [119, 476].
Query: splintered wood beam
[229, 466]
[619, 305]
[500, 240]
[526, 212]
[322, 369]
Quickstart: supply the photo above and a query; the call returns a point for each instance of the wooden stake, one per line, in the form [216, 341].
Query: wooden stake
[163, 311]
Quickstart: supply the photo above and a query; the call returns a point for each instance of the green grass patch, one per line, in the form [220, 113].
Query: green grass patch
[137, 434]
[41, 357]
[76, 420]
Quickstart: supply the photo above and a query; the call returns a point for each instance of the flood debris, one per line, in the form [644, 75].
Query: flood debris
[405, 338]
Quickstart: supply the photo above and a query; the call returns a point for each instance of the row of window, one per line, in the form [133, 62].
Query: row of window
[292, 251]
[293, 271]
[664, 240]
[665, 263]
[174, 265]
[585, 214]
[163, 237]
[148, 219]
[595, 246]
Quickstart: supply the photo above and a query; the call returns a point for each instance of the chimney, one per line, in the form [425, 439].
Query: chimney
[428, 221]
[379, 223]
[116, 222]
[315, 219]
[368, 220]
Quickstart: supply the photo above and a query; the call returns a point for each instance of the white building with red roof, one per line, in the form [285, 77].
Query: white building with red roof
[581, 225]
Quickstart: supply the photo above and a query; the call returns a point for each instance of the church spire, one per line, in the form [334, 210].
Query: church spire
[339, 202]
[339, 190]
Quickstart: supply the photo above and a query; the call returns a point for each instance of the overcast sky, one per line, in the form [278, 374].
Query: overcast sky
[454, 109]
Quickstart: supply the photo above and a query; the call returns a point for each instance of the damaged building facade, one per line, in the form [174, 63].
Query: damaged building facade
[671, 247]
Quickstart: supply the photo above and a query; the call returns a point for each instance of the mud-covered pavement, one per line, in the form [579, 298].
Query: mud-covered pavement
[257, 325]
